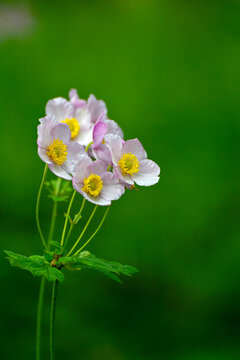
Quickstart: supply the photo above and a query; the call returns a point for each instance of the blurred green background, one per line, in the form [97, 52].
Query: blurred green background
[169, 74]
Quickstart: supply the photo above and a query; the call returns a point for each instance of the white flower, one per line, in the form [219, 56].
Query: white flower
[55, 147]
[94, 182]
[130, 162]
[78, 114]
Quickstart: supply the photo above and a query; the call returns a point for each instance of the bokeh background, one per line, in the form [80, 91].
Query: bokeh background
[169, 74]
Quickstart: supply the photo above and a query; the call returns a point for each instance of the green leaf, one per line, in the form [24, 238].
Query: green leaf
[57, 248]
[86, 260]
[36, 264]
[59, 195]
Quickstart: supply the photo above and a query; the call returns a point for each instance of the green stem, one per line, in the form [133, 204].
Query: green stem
[54, 214]
[85, 228]
[43, 280]
[72, 224]
[67, 217]
[39, 318]
[88, 146]
[37, 207]
[95, 232]
[52, 320]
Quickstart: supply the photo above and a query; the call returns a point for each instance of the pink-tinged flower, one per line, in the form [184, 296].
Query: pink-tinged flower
[99, 147]
[55, 147]
[130, 162]
[78, 114]
[94, 182]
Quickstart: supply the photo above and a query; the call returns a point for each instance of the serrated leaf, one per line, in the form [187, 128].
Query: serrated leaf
[86, 260]
[58, 198]
[56, 194]
[36, 264]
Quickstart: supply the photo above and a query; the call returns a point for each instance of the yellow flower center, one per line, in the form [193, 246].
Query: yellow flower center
[73, 126]
[57, 152]
[129, 164]
[92, 185]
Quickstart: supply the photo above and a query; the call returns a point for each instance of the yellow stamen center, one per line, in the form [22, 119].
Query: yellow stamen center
[129, 164]
[73, 126]
[93, 185]
[57, 152]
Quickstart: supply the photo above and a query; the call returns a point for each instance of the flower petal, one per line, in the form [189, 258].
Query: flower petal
[74, 99]
[124, 179]
[95, 200]
[102, 152]
[85, 134]
[114, 143]
[61, 132]
[59, 171]
[99, 131]
[81, 168]
[135, 147]
[112, 189]
[148, 173]
[42, 152]
[96, 107]
[113, 128]
[74, 150]
[83, 116]
[44, 131]
[59, 108]
[98, 167]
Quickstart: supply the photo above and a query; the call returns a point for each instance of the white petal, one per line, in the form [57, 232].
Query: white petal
[74, 98]
[42, 152]
[85, 135]
[114, 143]
[59, 171]
[124, 179]
[98, 167]
[83, 116]
[61, 132]
[81, 169]
[44, 131]
[93, 199]
[113, 128]
[112, 189]
[148, 173]
[96, 108]
[102, 152]
[135, 147]
[74, 150]
[60, 108]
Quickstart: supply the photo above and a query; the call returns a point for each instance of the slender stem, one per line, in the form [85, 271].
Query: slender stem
[39, 318]
[54, 214]
[88, 146]
[85, 228]
[67, 217]
[37, 207]
[52, 320]
[95, 232]
[72, 224]
[43, 280]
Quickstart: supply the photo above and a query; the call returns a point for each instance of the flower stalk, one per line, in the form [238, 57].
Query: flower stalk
[52, 320]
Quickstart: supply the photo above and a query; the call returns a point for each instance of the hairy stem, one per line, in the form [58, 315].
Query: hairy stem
[37, 207]
[52, 320]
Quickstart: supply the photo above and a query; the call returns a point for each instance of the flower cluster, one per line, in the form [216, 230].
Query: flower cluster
[79, 143]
